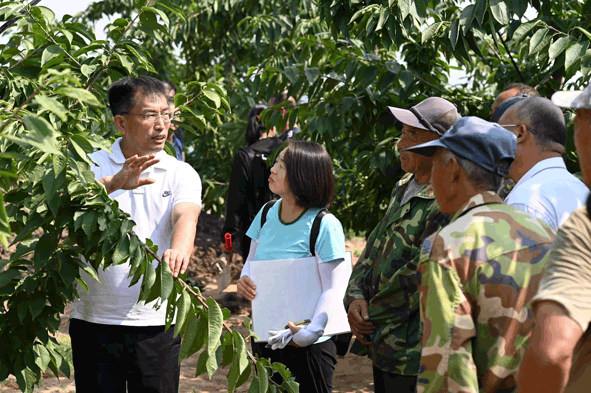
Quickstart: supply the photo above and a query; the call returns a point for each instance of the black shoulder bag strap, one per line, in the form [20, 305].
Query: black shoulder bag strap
[266, 208]
[316, 230]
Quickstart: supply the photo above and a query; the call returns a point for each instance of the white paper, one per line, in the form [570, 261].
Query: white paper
[289, 290]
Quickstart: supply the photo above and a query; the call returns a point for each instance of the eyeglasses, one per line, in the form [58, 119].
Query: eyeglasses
[519, 125]
[151, 117]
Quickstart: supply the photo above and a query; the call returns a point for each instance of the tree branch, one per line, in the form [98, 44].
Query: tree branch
[198, 296]
[511, 57]
[15, 113]
[53, 40]
[103, 68]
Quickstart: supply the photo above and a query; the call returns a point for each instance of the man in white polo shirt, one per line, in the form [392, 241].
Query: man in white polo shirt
[119, 344]
[544, 188]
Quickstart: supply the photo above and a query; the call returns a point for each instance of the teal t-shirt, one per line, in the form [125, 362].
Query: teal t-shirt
[280, 241]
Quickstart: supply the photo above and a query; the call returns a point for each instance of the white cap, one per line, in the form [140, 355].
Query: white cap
[573, 99]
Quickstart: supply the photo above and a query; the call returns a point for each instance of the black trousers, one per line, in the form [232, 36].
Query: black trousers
[312, 366]
[114, 358]
[389, 382]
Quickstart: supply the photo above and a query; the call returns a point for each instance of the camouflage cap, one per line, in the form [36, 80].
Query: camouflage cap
[573, 99]
[484, 143]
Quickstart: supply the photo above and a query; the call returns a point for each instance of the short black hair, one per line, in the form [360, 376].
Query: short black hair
[282, 97]
[522, 89]
[169, 86]
[310, 175]
[255, 126]
[123, 92]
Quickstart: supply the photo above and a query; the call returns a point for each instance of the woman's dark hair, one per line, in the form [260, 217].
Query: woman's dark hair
[309, 173]
[255, 127]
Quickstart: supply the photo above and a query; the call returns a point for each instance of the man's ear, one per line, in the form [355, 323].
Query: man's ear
[522, 134]
[120, 123]
[454, 171]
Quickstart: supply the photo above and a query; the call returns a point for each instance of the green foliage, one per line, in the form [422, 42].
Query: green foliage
[351, 60]
[52, 94]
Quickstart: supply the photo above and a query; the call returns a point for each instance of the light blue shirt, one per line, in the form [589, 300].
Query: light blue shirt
[549, 192]
[280, 241]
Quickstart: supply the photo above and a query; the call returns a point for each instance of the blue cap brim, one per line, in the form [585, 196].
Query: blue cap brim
[426, 149]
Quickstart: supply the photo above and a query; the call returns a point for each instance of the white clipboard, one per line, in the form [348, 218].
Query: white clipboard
[289, 290]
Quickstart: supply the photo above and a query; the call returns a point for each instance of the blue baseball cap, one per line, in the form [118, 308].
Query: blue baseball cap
[484, 143]
[500, 111]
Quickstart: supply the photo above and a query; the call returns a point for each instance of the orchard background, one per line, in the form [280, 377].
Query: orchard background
[350, 59]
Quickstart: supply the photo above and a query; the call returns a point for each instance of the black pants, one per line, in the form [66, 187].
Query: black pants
[312, 366]
[114, 358]
[389, 382]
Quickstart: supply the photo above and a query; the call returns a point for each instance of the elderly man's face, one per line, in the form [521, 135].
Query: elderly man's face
[412, 162]
[582, 123]
[441, 180]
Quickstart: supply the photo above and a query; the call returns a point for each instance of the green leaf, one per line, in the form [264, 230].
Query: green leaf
[454, 33]
[161, 13]
[79, 94]
[481, 6]
[576, 51]
[500, 11]
[537, 39]
[369, 76]
[5, 230]
[214, 321]
[189, 336]
[263, 377]
[521, 32]
[52, 105]
[292, 73]
[51, 52]
[127, 63]
[121, 254]
[167, 281]
[312, 74]
[431, 31]
[405, 8]
[183, 307]
[213, 96]
[584, 31]
[41, 135]
[52, 183]
[558, 47]
[43, 251]
[467, 16]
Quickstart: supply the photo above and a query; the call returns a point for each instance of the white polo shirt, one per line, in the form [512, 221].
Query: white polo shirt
[549, 192]
[112, 301]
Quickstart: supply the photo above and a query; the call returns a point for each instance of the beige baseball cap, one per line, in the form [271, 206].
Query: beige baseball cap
[573, 99]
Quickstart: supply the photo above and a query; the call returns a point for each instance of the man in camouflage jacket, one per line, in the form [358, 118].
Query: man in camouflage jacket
[382, 297]
[479, 272]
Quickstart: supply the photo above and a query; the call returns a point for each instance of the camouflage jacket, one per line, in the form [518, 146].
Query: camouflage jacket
[385, 276]
[477, 276]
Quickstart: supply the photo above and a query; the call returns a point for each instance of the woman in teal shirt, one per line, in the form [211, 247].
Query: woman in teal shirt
[303, 178]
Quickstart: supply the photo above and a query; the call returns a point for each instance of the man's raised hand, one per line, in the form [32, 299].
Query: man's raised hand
[128, 178]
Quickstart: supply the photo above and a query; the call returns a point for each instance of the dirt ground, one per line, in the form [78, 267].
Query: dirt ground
[352, 374]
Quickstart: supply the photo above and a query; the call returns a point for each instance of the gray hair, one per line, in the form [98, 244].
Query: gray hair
[481, 178]
[544, 119]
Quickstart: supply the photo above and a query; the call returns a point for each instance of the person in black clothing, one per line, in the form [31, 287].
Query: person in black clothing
[249, 189]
